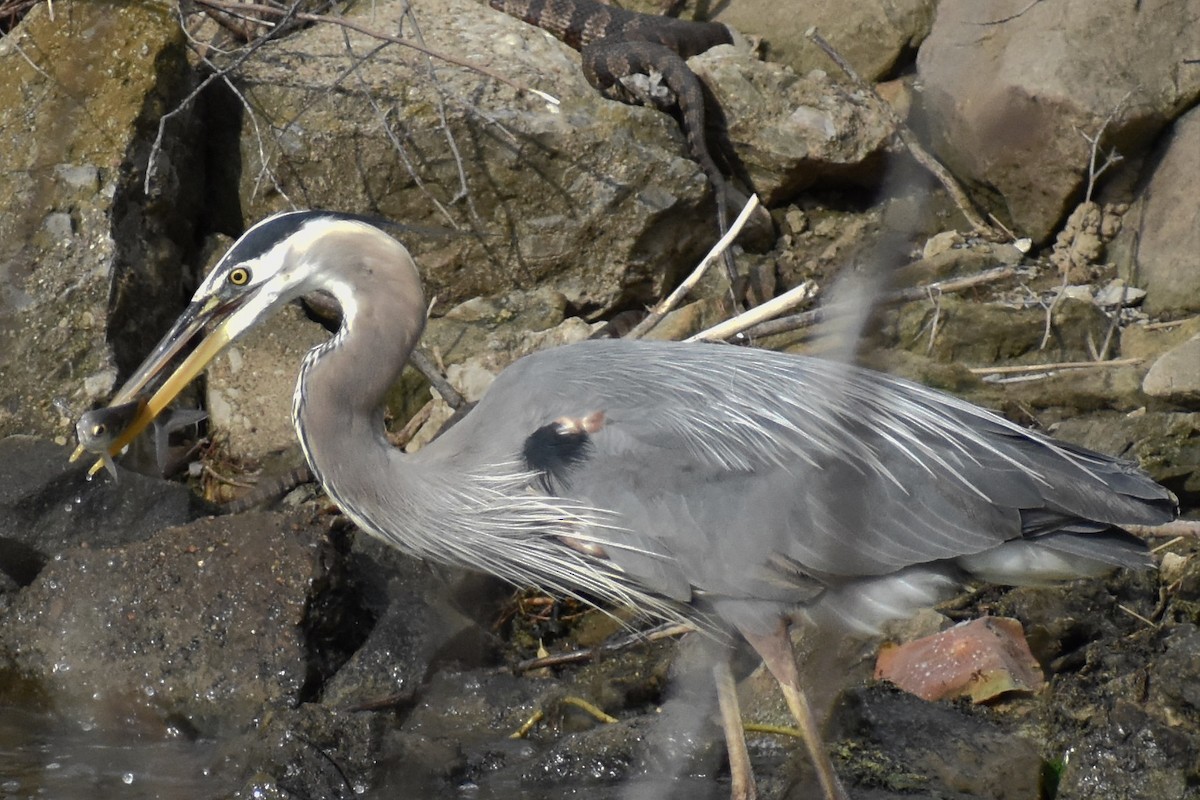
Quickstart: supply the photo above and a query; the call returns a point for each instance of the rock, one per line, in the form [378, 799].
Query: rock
[80, 97]
[308, 751]
[1175, 376]
[205, 623]
[1009, 86]
[1149, 342]
[981, 659]
[250, 387]
[48, 506]
[979, 334]
[792, 132]
[875, 36]
[1164, 234]
[1118, 294]
[598, 196]
[941, 243]
[1079, 246]
[418, 626]
[1162, 442]
[904, 743]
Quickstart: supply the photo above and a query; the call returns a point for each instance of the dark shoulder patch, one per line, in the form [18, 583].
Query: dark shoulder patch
[555, 449]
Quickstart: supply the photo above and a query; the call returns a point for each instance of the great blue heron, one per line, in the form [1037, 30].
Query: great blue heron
[731, 487]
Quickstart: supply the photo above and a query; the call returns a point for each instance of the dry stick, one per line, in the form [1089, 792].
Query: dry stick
[817, 315]
[1113, 156]
[463, 190]
[909, 139]
[660, 311]
[434, 375]
[1027, 368]
[1093, 176]
[368, 31]
[663, 631]
[156, 147]
[747, 319]
[406, 434]
[1179, 527]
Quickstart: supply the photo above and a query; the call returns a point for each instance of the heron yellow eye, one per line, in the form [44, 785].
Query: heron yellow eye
[240, 276]
[98, 430]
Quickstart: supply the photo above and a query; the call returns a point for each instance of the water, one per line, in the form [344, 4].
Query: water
[43, 756]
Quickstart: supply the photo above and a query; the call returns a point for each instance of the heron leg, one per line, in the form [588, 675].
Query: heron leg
[735, 737]
[775, 648]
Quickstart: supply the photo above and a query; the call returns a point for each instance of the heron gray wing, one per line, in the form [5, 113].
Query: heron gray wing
[830, 472]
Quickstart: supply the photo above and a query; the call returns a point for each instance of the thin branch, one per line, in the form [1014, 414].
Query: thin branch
[426, 367]
[1022, 369]
[1179, 527]
[661, 310]
[909, 139]
[818, 315]
[156, 148]
[1113, 156]
[368, 31]
[1049, 327]
[748, 319]
[663, 631]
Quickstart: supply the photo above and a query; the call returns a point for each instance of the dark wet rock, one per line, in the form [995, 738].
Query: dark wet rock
[903, 744]
[477, 709]
[1124, 752]
[309, 751]
[1163, 231]
[80, 96]
[204, 625]
[1174, 678]
[418, 625]
[640, 748]
[48, 506]
[1008, 87]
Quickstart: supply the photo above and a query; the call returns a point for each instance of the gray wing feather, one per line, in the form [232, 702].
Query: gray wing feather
[758, 474]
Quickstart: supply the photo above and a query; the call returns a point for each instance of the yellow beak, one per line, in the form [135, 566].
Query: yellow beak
[185, 330]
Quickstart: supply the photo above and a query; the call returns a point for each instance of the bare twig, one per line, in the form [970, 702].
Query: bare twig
[663, 631]
[818, 315]
[909, 139]
[1049, 327]
[405, 434]
[220, 74]
[227, 480]
[1113, 324]
[1113, 156]
[368, 31]
[1021, 369]
[1010, 17]
[661, 310]
[936, 299]
[426, 367]
[1179, 527]
[748, 319]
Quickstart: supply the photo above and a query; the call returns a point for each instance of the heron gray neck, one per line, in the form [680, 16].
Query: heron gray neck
[338, 405]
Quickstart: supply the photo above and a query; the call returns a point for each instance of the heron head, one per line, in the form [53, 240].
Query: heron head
[278, 259]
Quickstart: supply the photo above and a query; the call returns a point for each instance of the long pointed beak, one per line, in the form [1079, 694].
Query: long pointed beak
[185, 330]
